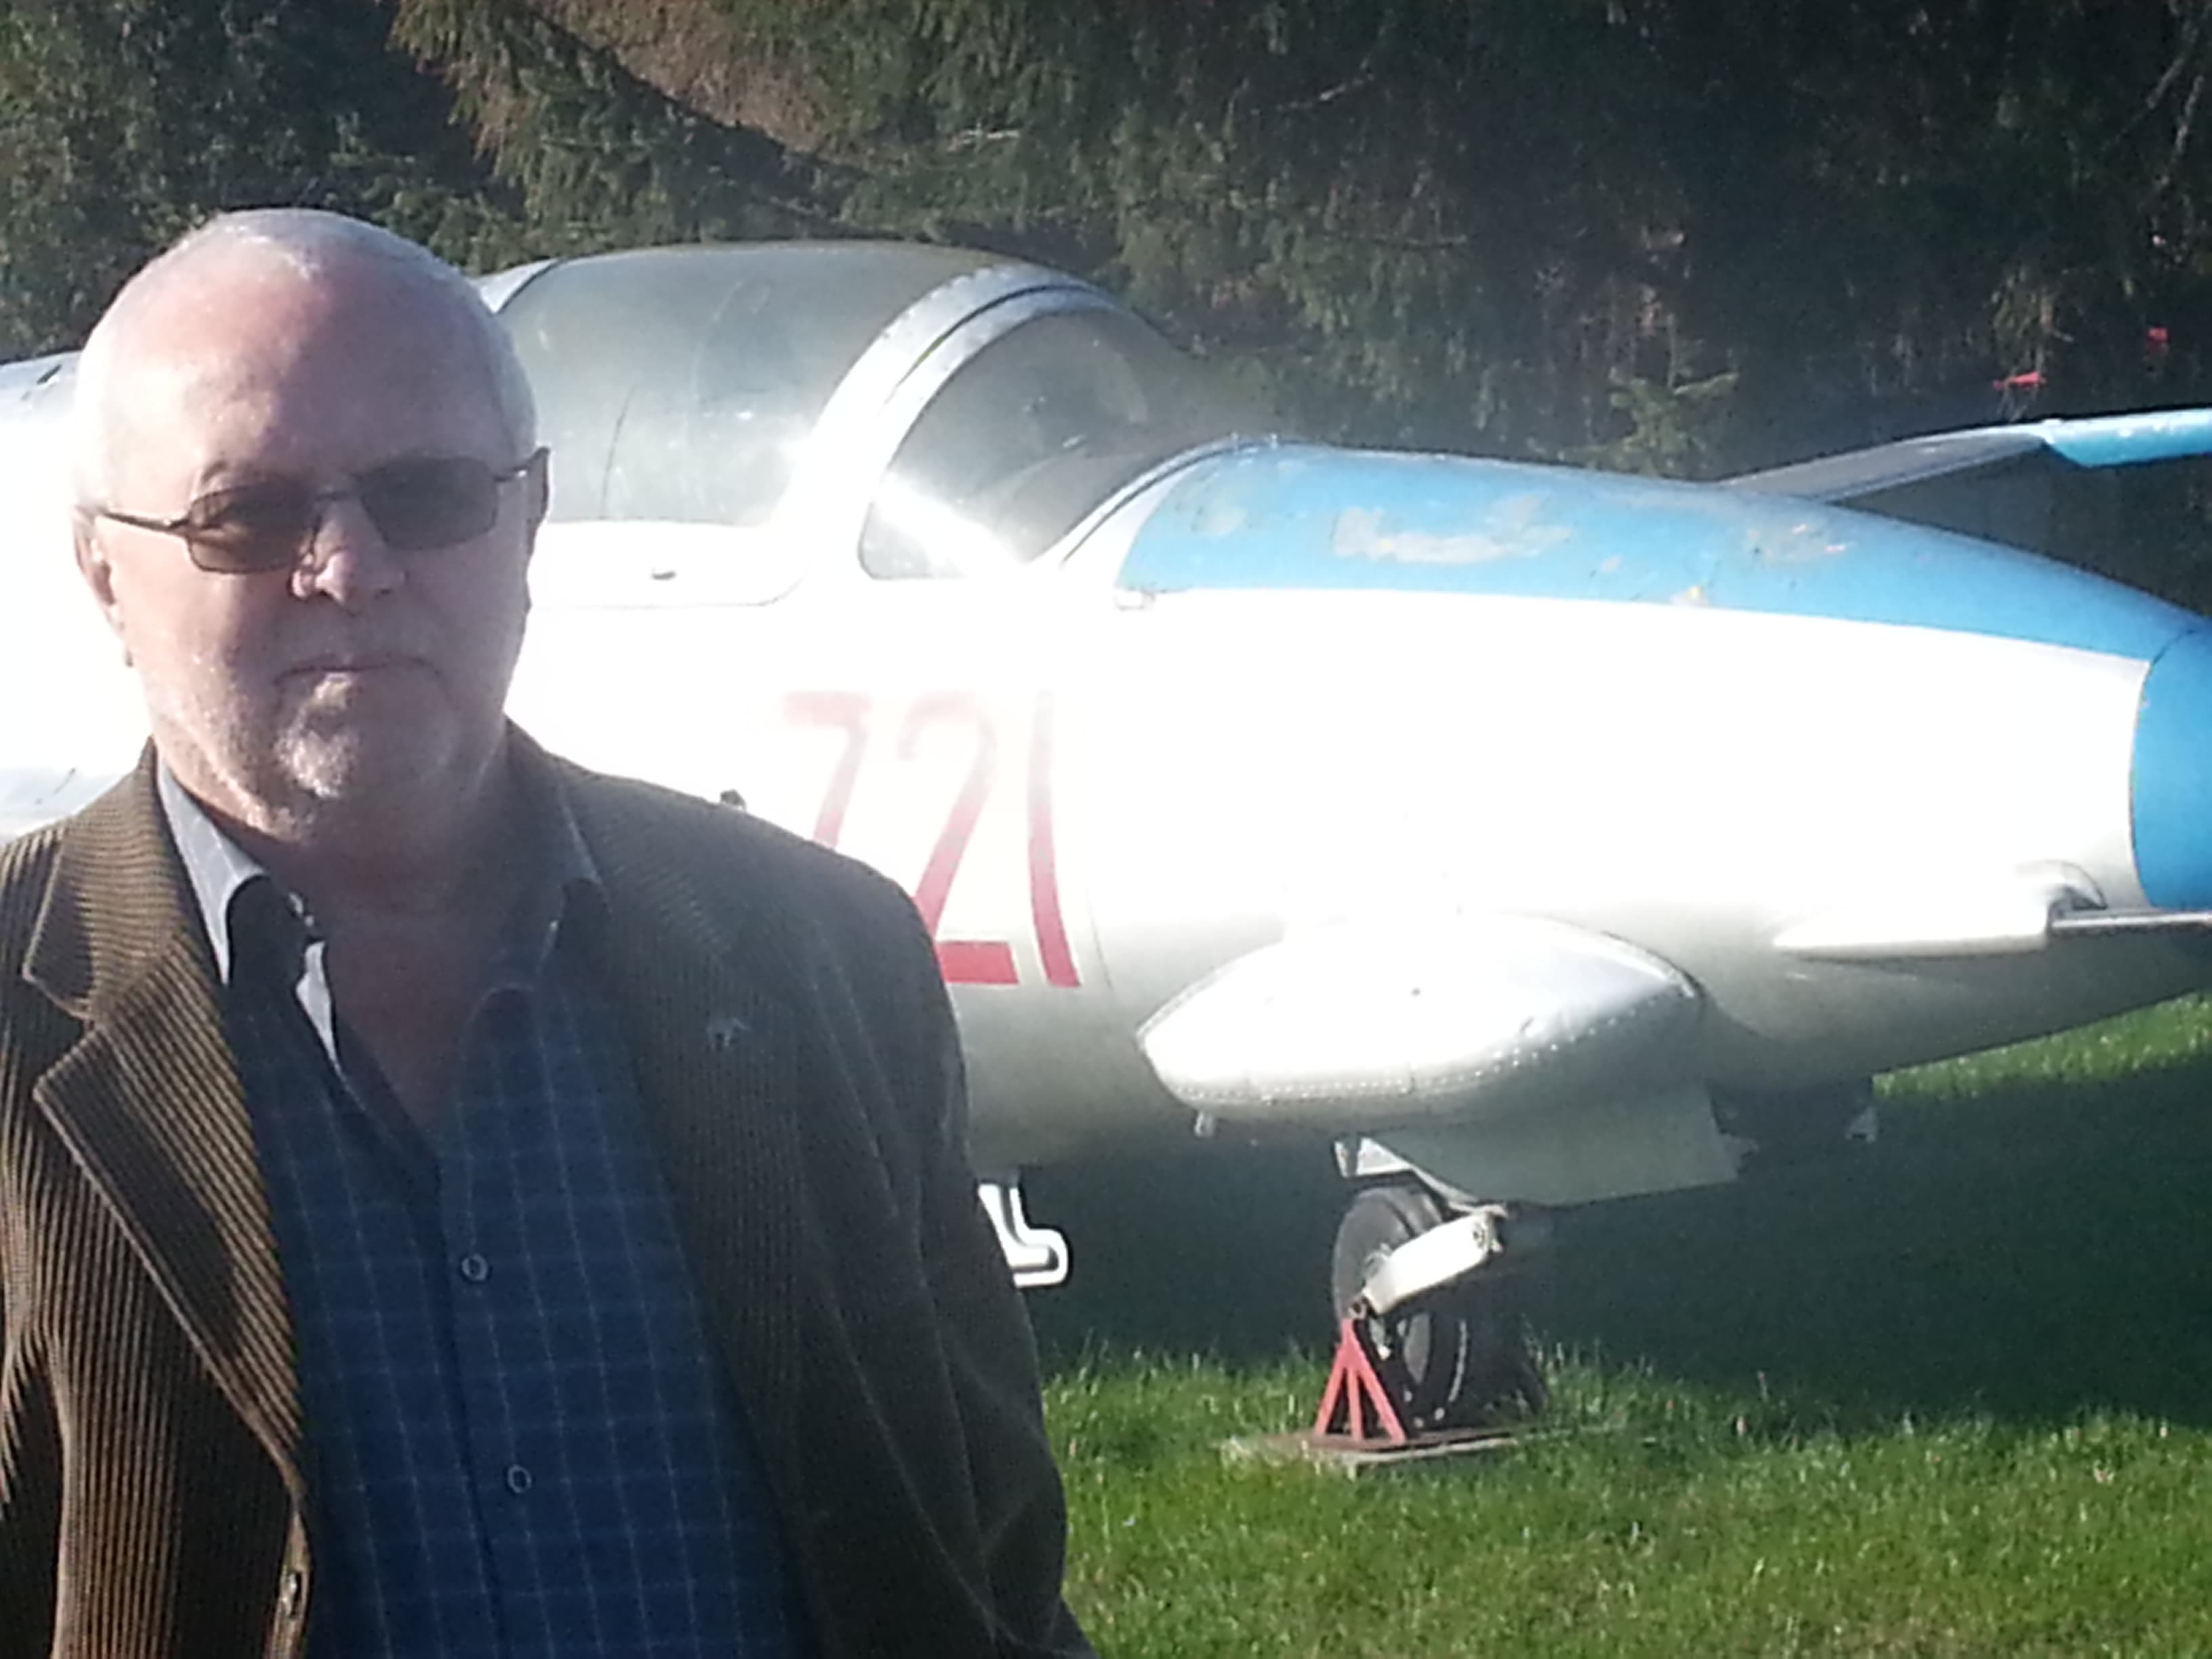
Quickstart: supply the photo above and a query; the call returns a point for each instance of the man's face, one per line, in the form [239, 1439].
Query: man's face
[365, 680]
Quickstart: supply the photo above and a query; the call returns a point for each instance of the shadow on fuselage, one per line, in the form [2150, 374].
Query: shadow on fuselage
[2030, 1253]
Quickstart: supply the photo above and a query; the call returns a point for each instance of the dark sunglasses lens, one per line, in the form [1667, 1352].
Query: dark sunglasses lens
[431, 502]
[256, 527]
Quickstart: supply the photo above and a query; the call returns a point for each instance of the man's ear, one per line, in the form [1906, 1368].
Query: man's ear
[99, 573]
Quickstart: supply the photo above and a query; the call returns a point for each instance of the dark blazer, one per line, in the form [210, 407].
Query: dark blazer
[796, 1056]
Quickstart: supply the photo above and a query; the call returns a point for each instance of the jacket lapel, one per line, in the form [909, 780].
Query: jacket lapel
[712, 1039]
[148, 1101]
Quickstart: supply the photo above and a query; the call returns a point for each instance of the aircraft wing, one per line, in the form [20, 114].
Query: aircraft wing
[2106, 441]
[2027, 911]
[1364, 1026]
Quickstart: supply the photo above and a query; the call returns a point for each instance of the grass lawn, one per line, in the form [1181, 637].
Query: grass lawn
[1951, 1396]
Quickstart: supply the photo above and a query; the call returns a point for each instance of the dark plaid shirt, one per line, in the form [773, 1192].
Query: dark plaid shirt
[520, 1444]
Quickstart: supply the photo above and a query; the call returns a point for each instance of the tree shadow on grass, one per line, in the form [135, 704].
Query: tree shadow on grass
[2030, 1253]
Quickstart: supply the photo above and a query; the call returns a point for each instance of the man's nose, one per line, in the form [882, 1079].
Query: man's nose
[347, 559]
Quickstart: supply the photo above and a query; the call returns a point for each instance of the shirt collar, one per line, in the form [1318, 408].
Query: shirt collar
[219, 869]
[566, 874]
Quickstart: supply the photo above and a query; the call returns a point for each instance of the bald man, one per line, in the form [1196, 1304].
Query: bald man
[452, 1203]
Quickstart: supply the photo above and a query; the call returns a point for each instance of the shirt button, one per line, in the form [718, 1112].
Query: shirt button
[474, 1268]
[518, 1478]
[288, 1598]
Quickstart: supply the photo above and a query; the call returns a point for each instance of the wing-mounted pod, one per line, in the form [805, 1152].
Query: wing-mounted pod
[1366, 1029]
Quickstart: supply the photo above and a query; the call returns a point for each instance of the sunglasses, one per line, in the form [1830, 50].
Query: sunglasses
[416, 504]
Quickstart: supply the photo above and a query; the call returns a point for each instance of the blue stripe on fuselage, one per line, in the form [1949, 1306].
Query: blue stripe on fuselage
[1296, 517]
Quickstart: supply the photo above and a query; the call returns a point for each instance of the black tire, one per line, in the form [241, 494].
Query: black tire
[1451, 1359]
[1420, 1350]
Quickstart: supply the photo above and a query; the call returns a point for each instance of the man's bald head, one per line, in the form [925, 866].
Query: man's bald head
[223, 264]
[323, 390]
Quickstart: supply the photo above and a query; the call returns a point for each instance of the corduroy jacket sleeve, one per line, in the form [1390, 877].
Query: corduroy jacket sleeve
[992, 1358]
[985, 1351]
[30, 1449]
[147, 1506]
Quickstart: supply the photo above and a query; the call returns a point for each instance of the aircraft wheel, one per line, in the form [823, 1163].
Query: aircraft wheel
[1420, 1349]
[1452, 1359]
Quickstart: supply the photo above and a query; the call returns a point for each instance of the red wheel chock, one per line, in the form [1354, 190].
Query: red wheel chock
[1353, 1389]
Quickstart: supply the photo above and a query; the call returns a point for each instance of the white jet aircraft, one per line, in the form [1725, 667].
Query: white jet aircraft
[1539, 836]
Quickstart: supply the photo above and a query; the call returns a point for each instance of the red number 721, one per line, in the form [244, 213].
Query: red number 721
[964, 962]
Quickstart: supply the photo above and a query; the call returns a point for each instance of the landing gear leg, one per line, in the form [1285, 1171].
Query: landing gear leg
[1454, 1354]
[1035, 1257]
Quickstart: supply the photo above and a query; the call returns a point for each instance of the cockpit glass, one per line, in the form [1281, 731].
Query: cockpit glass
[1043, 425]
[678, 384]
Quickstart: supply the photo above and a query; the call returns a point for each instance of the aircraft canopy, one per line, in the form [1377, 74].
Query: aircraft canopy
[1042, 425]
[683, 385]
[679, 384]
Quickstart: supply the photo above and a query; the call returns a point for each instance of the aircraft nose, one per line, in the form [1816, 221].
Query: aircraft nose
[2170, 786]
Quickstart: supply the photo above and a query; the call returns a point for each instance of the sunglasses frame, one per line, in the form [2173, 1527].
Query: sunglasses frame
[187, 528]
